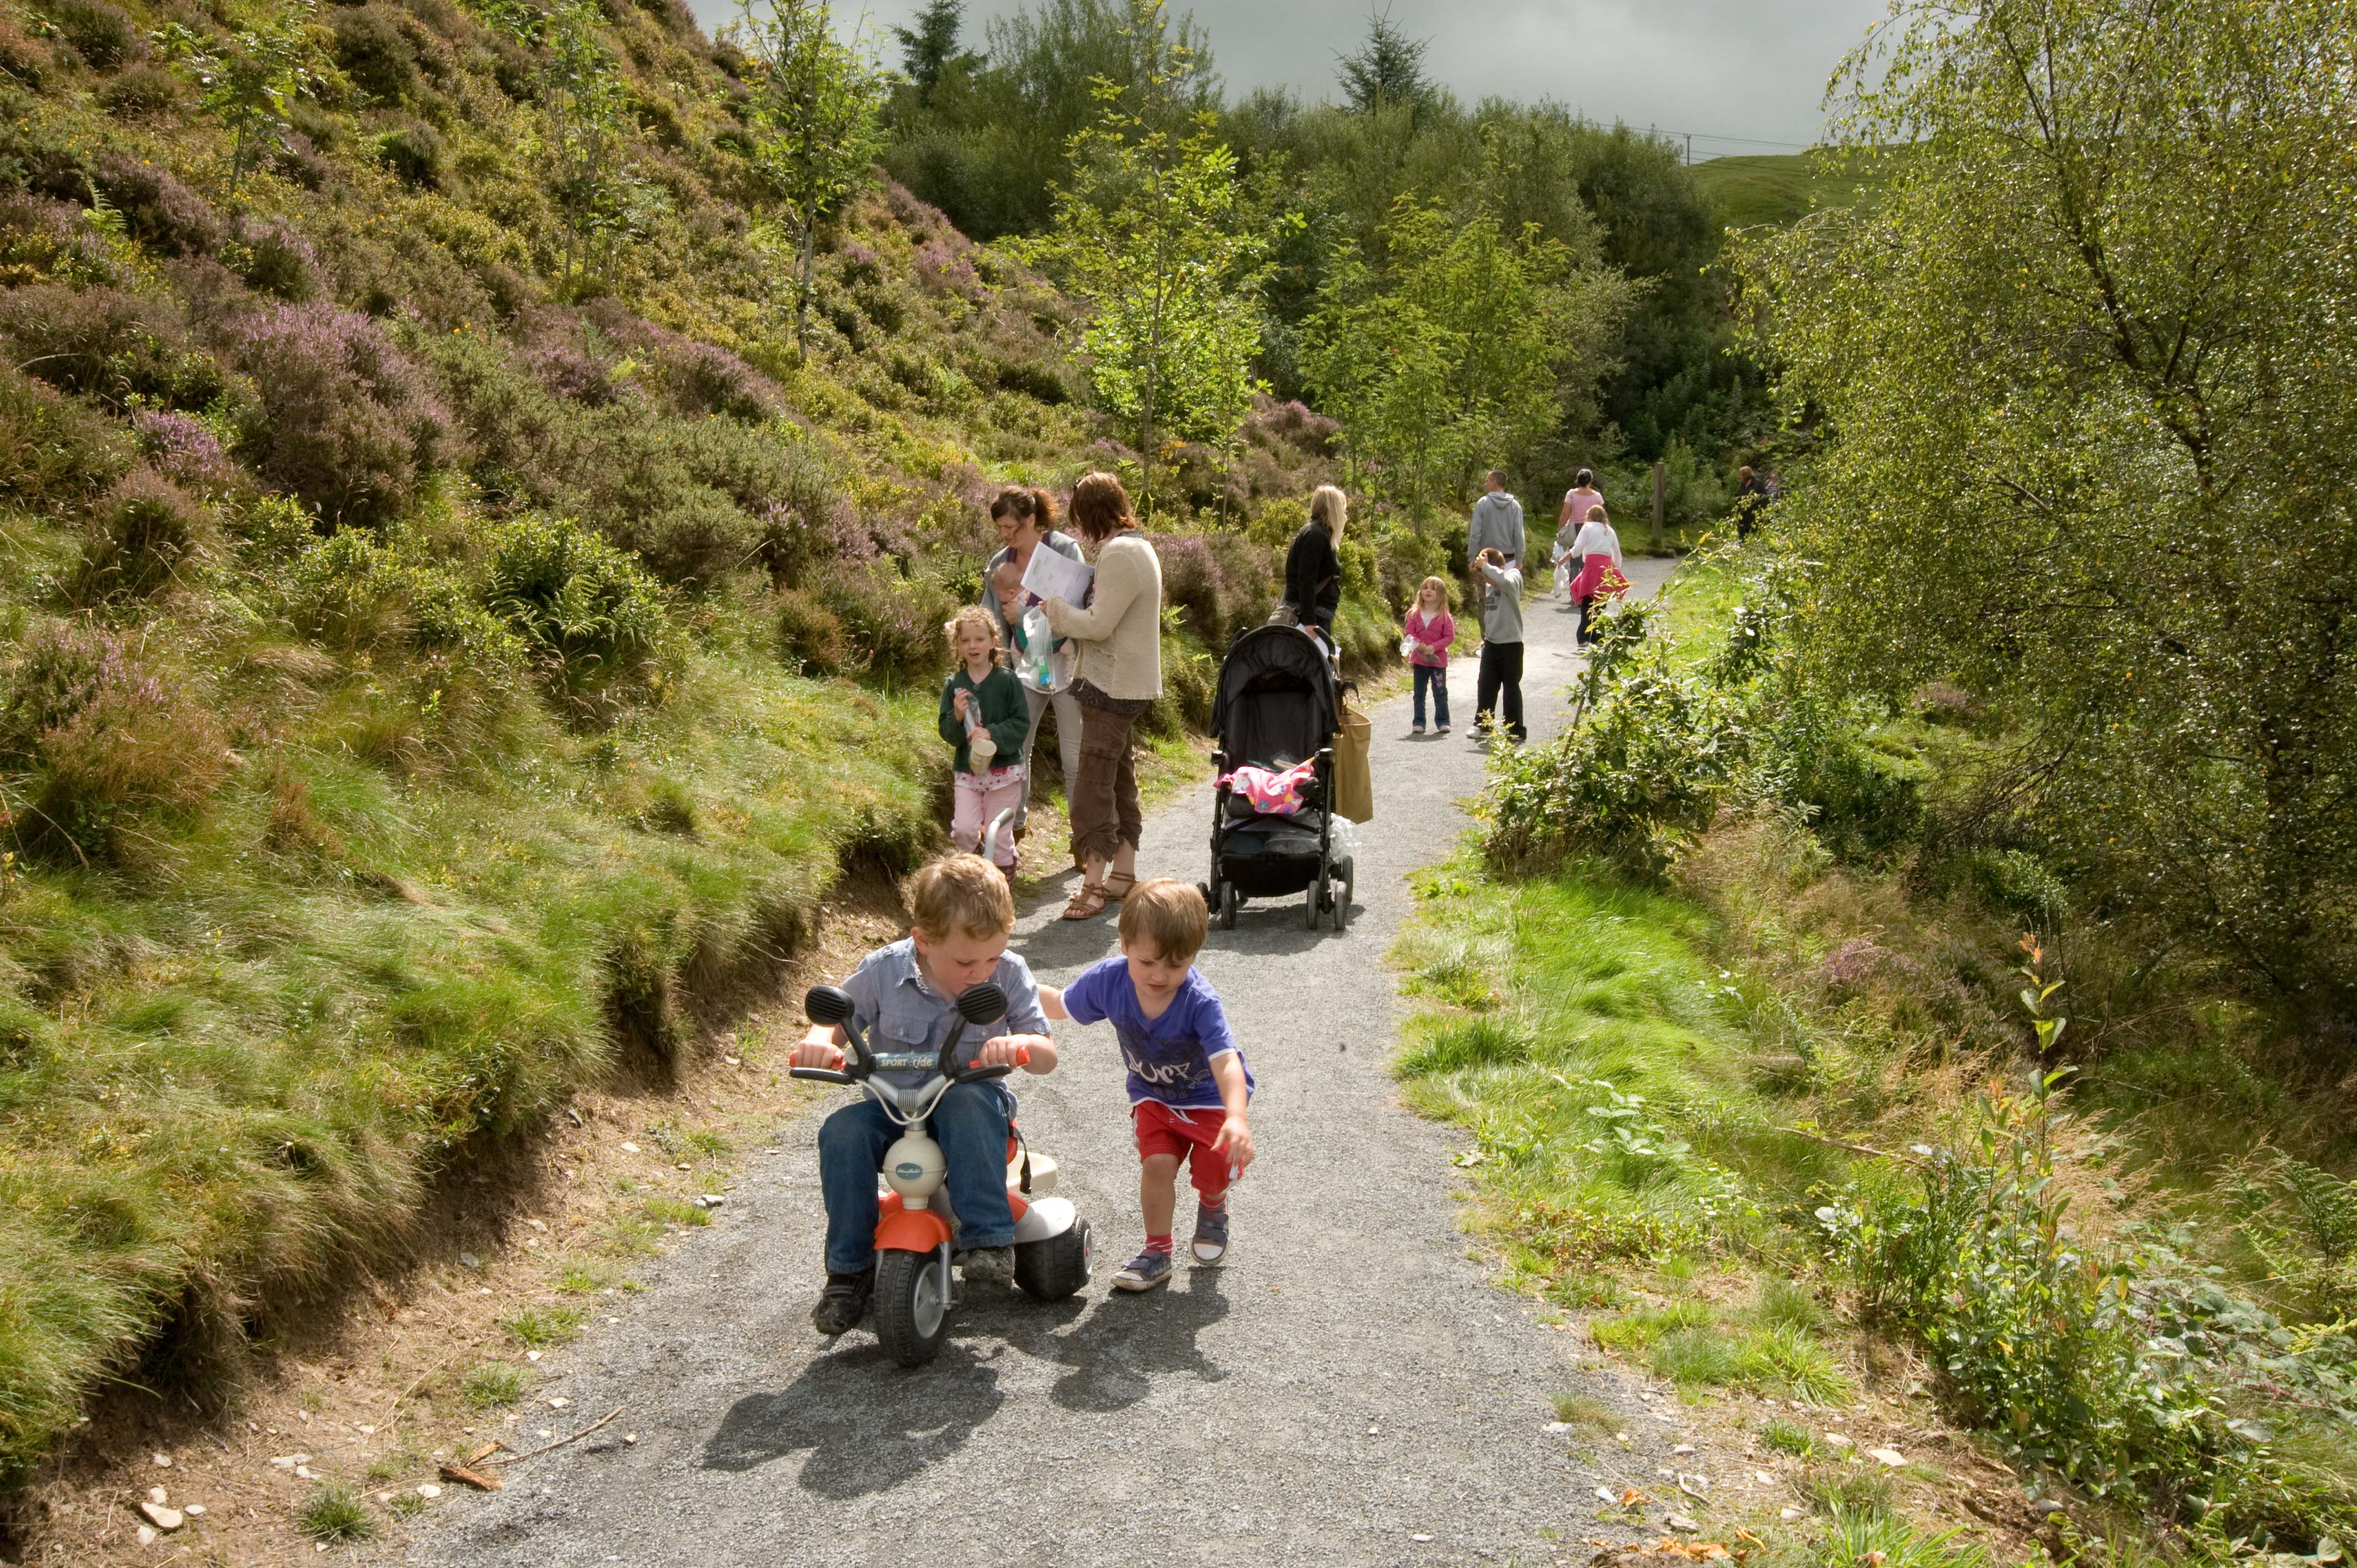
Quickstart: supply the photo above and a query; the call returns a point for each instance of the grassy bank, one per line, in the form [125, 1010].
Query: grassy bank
[1783, 188]
[1780, 1123]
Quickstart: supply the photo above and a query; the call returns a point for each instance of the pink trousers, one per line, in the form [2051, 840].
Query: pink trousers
[979, 798]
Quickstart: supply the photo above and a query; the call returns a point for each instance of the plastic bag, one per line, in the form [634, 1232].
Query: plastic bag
[1035, 660]
[1407, 648]
[1344, 837]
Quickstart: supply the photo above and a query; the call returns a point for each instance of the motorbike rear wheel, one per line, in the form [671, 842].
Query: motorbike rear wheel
[912, 1304]
[1056, 1266]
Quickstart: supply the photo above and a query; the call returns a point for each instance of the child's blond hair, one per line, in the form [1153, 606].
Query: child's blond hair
[962, 896]
[1169, 914]
[973, 614]
[1432, 583]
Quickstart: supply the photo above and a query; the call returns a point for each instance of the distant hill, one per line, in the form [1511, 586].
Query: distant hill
[1784, 188]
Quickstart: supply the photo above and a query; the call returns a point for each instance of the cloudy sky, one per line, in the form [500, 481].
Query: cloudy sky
[1741, 75]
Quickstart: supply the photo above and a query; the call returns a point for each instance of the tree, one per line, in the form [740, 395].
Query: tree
[2086, 389]
[250, 84]
[930, 49]
[814, 109]
[1152, 233]
[1387, 71]
[583, 136]
[1463, 350]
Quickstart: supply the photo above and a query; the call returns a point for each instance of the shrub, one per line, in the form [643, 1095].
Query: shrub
[703, 379]
[109, 748]
[810, 636]
[416, 154]
[272, 257]
[41, 240]
[52, 451]
[185, 450]
[23, 62]
[576, 598]
[108, 345]
[160, 212]
[142, 530]
[101, 34]
[1633, 783]
[375, 52]
[892, 623]
[144, 92]
[344, 420]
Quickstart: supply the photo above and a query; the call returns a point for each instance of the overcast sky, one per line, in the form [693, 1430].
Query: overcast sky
[1734, 72]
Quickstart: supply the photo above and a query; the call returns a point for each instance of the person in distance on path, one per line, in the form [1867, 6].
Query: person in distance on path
[1424, 637]
[1502, 644]
[1497, 524]
[1598, 551]
[904, 998]
[1189, 1086]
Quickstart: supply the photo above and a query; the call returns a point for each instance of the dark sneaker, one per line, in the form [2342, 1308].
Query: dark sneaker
[988, 1265]
[1143, 1272]
[843, 1303]
[1210, 1234]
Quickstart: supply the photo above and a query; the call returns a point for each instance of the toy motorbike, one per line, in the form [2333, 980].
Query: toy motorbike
[915, 1230]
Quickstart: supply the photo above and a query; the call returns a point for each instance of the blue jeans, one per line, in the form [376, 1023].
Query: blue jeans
[970, 1125]
[1437, 677]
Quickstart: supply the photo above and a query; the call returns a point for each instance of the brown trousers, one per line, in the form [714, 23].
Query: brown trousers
[1105, 814]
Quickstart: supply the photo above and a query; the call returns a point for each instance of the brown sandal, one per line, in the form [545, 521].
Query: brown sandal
[1088, 903]
[1117, 885]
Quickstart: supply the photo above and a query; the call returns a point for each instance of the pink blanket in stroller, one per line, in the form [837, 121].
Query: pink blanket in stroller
[1271, 792]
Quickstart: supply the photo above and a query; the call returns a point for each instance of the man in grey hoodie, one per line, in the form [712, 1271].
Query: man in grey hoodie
[1497, 524]
[1501, 643]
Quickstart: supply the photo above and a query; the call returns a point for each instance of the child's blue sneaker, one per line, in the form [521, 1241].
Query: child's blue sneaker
[1210, 1242]
[1143, 1272]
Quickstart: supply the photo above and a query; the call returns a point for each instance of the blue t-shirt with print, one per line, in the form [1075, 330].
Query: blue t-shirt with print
[1169, 1058]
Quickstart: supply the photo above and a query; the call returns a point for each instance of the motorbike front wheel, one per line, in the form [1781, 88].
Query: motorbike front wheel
[912, 1304]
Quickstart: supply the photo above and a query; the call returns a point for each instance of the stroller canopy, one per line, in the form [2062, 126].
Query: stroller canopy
[1276, 704]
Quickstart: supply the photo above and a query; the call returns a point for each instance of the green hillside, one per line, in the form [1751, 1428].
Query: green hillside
[1782, 188]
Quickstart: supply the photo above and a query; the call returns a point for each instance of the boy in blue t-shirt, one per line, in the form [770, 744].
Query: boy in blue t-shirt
[1187, 1082]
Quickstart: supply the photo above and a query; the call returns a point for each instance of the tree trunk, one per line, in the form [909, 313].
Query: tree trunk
[802, 297]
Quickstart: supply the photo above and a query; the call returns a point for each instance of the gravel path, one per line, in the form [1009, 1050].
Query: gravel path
[1348, 1389]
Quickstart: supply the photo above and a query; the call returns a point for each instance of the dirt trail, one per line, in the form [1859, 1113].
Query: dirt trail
[1349, 1390]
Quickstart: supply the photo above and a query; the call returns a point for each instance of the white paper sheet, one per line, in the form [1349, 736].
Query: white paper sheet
[1054, 576]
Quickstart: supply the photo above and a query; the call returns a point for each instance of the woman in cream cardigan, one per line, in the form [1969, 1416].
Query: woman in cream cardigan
[1120, 638]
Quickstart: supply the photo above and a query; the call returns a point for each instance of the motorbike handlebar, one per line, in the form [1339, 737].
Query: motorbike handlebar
[824, 1075]
[976, 1074]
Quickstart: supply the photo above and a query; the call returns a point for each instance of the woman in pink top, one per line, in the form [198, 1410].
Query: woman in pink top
[1576, 501]
[1428, 631]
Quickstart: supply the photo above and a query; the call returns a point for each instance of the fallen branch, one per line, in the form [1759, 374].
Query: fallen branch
[515, 1458]
[1853, 1149]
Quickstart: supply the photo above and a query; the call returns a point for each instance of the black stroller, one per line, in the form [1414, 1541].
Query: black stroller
[1277, 707]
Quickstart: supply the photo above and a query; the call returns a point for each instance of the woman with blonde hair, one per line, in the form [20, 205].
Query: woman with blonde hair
[1313, 566]
[983, 716]
[1120, 638]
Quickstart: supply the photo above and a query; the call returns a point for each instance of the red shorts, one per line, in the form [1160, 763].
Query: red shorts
[1187, 1136]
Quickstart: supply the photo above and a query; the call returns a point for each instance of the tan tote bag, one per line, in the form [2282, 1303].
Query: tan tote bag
[1354, 777]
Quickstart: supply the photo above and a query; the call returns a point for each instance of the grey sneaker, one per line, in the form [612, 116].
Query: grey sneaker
[1143, 1272]
[1210, 1242]
[843, 1303]
[988, 1265]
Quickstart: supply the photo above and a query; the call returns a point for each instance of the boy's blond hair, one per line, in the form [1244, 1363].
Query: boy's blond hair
[1169, 914]
[962, 896]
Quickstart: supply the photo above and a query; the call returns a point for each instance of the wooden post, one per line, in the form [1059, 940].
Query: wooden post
[1661, 499]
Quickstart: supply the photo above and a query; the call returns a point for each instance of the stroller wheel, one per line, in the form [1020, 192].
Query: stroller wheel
[1230, 902]
[1317, 900]
[1342, 899]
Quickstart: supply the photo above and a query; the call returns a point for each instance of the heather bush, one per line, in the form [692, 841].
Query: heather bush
[101, 34]
[573, 374]
[414, 153]
[185, 450]
[24, 61]
[53, 451]
[138, 537]
[42, 239]
[891, 622]
[374, 53]
[272, 257]
[703, 379]
[689, 534]
[572, 596]
[144, 92]
[810, 636]
[111, 752]
[344, 420]
[114, 347]
[159, 211]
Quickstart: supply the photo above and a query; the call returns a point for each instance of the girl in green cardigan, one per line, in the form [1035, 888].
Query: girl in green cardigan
[985, 716]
